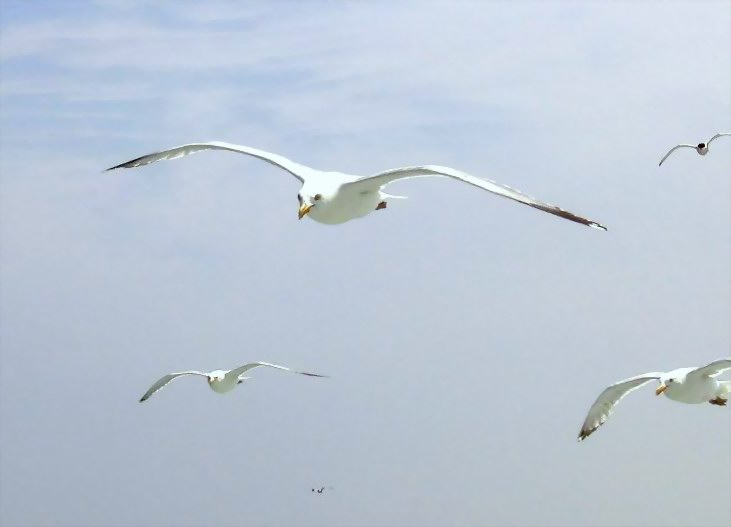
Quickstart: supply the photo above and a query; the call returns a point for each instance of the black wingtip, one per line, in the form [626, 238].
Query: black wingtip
[585, 433]
[123, 165]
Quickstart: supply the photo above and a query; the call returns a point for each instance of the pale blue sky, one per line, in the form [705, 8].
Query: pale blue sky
[466, 335]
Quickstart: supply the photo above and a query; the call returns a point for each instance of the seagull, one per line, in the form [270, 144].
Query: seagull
[321, 489]
[701, 148]
[684, 385]
[220, 381]
[334, 197]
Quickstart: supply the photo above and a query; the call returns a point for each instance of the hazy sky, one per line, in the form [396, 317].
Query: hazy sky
[466, 335]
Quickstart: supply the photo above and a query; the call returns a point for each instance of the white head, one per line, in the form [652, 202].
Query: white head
[671, 378]
[319, 192]
[216, 376]
[308, 201]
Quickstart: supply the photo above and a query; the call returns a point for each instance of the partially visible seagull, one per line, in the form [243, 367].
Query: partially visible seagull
[335, 197]
[701, 148]
[220, 381]
[684, 385]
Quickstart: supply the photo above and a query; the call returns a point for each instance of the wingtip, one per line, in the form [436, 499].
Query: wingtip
[115, 167]
[583, 434]
[598, 226]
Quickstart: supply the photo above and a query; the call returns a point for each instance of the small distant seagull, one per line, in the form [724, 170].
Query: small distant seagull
[220, 381]
[321, 489]
[684, 385]
[701, 148]
[336, 197]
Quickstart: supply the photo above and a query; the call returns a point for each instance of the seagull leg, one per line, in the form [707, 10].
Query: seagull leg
[719, 401]
[381, 205]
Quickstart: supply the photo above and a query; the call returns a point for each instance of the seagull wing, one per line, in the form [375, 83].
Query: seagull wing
[673, 149]
[717, 136]
[604, 404]
[713, 369]
[237, 372]
[375, 182]
[162, 381]
[297, 170]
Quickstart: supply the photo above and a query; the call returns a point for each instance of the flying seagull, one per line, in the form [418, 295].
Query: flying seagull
[220, 381]
[321, 489]
[701, 148]
[335, 197]
[684, 385]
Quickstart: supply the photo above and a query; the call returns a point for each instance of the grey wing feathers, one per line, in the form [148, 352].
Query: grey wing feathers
[297, 170]
[165, 379]
[378, 180]
[246, 367]
[717, 136]
[602, 408]
[715, 368]
[673, 149]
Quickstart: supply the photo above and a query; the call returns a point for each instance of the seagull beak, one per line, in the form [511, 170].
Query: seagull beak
[304, 209]
[661, 389]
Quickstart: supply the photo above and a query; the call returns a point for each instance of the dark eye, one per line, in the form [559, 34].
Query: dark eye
[299, 198]
[317, 197]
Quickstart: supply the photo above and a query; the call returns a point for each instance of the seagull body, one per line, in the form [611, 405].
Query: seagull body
[220, 381]
[683, 385]
[701, 148]
[334, 197]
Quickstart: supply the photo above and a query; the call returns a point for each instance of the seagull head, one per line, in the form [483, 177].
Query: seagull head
[307, 202]
[668, 380]
[217, 375]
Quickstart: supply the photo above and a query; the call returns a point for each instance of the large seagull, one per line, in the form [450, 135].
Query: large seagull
[335, 197]
[684, 385]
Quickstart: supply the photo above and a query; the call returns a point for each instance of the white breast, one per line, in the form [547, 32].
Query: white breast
[700, 391]
[344, 206]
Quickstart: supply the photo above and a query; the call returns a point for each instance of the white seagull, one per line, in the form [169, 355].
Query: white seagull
[701, 148]
[684, 385]
[335, 197]
[220, 381]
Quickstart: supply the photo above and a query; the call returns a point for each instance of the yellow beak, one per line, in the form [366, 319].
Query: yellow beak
[304, 209]
[661, 389]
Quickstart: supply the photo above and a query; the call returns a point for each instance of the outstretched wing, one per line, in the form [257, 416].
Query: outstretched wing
[717, 136]
[375, 182]
[713, 369]
[673, 149]
[165, 379]
[238, 372]
[297, 170]
[605, 403]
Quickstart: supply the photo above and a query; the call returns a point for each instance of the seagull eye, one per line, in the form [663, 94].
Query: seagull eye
[317, 197]
[299, 198]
